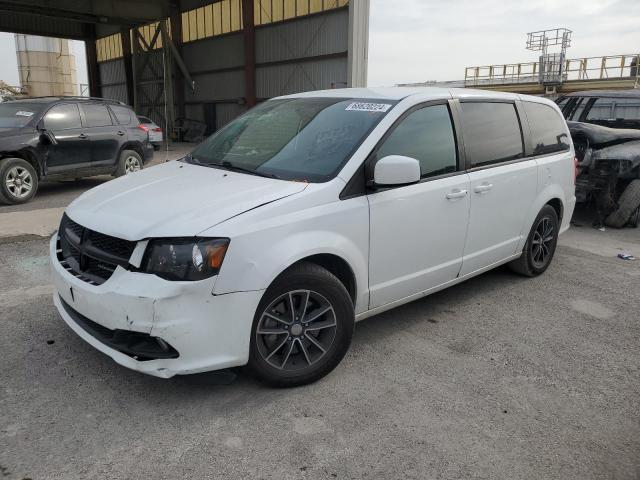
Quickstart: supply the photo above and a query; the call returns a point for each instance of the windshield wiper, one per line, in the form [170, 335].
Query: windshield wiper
[228, 165]
[189, 158]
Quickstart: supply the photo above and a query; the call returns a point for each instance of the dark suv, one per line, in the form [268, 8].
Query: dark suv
[605, 127]
[56, 138]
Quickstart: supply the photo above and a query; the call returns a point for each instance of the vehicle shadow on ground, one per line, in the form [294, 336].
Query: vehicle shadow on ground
[372, 332]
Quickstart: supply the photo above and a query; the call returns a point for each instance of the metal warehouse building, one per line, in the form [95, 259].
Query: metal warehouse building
[206, 60]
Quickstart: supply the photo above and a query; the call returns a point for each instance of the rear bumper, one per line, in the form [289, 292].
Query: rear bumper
[130, 311]
[147, 151]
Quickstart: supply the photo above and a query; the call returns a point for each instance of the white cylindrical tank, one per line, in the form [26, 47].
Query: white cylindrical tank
[46, 66]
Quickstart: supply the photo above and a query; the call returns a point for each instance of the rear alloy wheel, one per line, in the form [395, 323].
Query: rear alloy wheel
[130, 162]
[302, 328]
[541, 244]
[18, 181]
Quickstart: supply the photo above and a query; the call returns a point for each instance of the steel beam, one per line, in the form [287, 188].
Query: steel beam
[249, 32]
[92, 62]
[127, 58]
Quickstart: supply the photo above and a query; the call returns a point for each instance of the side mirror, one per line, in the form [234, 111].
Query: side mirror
[48, 137]
[395, 170]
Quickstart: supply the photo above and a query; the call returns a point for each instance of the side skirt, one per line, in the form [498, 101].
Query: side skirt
[416, 296]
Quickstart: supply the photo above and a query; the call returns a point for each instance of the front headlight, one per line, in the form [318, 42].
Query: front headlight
[185, 258]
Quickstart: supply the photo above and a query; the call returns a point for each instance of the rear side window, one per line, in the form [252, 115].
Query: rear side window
[62, 117]
[426, 135]
[144, 119]
[548, 130]
[96, 115]
[491, 133]
[123, 114]
[615, 108]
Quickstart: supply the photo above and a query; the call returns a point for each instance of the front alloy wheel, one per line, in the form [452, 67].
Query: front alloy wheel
[296, 330]
[18, 181]
[302, 327]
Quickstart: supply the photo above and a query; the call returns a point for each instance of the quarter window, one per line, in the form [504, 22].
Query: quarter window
[426, 135]
[96, 115]
[123, 114]
[548, 131]
[491, 133]
[62, 117]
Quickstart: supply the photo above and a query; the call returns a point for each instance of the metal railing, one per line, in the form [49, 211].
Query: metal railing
[590, 68]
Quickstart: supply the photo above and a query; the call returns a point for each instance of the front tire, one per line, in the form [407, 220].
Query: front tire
[541, 244]
[302, 327]
[129, 162]
[628, 203]
[18, 181]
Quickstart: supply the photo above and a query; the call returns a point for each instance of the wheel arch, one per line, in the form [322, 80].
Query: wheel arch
[131, 145]
[558, 206]
[243, 270]
[28, 157]
[553, 196]
[335, 264]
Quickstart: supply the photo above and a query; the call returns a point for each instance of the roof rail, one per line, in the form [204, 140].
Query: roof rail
[78, 97]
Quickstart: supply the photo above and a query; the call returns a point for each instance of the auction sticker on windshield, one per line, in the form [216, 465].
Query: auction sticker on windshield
[368, 107]
[23, 113]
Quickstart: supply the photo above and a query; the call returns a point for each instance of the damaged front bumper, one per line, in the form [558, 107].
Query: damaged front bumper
[155, 326]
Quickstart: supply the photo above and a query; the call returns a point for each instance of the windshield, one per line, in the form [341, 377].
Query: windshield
[306, 139]
[17, 114]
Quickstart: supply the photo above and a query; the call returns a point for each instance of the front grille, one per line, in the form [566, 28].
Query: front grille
[89, 255]
[138, 345]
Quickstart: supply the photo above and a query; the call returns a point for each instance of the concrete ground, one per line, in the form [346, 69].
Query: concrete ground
[498, 378]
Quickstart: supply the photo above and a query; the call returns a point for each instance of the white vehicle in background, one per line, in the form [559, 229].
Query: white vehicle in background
[154, 131]
[306, 214]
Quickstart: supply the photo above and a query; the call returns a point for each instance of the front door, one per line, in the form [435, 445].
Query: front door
[503, 183]
[73, 149]
[417, 232]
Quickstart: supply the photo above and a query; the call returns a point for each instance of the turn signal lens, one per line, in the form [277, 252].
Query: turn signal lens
[185, 258]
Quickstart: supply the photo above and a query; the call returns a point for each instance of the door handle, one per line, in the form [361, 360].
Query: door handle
[120, 133]
[83, 135]
[457, 193]
[485, 187]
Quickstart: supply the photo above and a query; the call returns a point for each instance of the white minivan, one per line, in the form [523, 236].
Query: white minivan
[308, 213]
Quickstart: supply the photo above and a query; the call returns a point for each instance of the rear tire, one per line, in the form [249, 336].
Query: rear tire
[541, 245]
[130, 161]
[18, 181]
[628, 203]
[302, 327]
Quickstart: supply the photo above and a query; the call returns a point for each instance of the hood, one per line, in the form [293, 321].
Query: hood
[6, 132]
[597, 134]
[174, 199]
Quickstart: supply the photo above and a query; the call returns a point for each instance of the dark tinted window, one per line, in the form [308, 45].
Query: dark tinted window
[615, 108]
[548, 130]
[96, 115]
[144, 119]
[576, 109]
[427, 136]
[62, 117]
[123, 114]
[491, 133]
